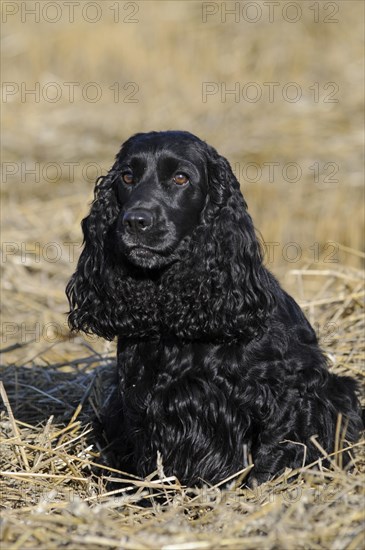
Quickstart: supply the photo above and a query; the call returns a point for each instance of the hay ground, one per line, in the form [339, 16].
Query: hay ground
[52, 494]
[53, 497]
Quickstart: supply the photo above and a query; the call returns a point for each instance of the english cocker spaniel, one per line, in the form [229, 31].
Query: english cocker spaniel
[216, 362]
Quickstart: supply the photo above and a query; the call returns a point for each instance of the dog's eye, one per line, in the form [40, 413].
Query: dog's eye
[127, 177]
[181, 178]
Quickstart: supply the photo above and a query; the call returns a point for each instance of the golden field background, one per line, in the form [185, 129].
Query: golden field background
[150, 62]
[161, 55]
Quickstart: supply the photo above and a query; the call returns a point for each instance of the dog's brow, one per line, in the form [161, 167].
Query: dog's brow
[176, 161]
[133, 159]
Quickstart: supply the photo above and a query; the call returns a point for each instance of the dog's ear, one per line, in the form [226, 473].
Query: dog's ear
[88, 291]
[246, 287]
[221, 289]
[105, 297]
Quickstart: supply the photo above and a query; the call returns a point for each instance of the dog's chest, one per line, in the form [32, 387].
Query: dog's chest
[171, 380]
[185, 402]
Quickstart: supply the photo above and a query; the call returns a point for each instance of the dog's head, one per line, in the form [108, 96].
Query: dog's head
[168, 231]
[160, 185]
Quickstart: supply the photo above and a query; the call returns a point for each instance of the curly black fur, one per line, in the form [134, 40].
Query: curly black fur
[215, 361]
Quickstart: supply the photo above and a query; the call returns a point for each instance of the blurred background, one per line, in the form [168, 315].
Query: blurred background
[276, 87]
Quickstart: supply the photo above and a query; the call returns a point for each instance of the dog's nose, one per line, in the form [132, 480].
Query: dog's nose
[136, 221]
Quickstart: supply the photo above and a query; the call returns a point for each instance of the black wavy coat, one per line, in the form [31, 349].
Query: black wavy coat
[216, 363]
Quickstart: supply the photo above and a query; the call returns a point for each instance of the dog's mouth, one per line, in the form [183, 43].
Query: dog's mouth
[146, 258]
[152, 255]
[142, 252]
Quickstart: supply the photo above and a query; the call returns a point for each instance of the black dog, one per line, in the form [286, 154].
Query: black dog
[215, 361]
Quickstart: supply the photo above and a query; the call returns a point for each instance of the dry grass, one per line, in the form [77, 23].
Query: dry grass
[52, 494]
[56, 493]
